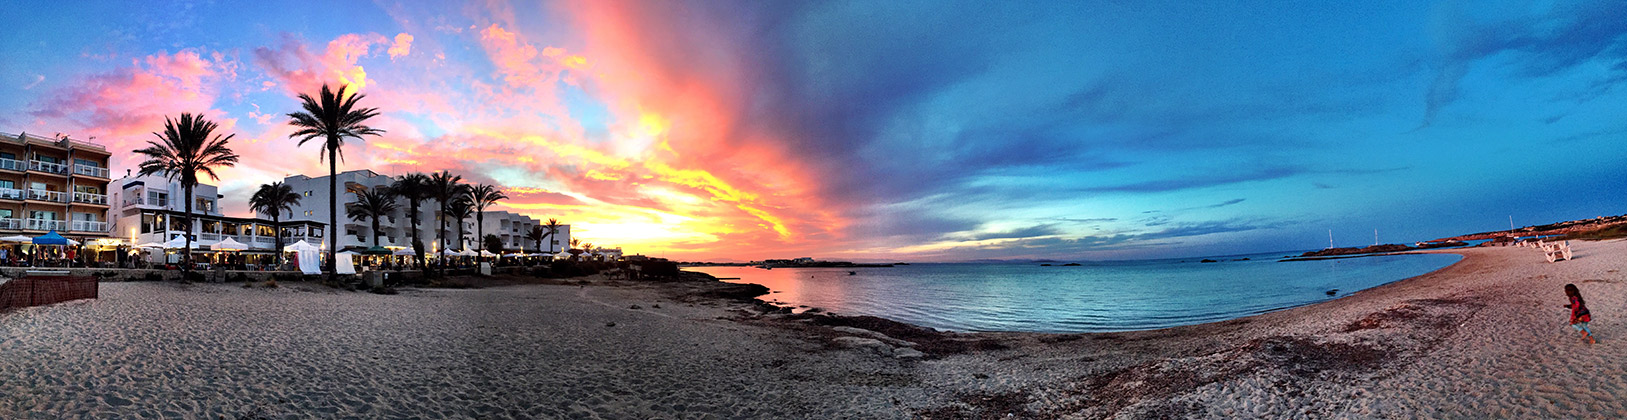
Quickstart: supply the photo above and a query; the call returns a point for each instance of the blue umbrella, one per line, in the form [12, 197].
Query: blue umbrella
[51, 238]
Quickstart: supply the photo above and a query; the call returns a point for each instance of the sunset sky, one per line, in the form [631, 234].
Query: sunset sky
[890, 130]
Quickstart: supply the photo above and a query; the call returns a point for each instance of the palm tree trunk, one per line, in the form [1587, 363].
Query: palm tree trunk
[186, 263]
[333, 206]
[376, 231]
[480, 230]
[276, 227]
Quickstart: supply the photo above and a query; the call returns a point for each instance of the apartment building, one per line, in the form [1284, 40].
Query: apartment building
[396, 228]
[151, 209]
[53, 184]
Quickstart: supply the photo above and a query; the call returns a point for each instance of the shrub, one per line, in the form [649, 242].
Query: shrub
[152, 276]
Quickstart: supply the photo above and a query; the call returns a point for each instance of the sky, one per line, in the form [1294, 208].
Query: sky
[896, 130]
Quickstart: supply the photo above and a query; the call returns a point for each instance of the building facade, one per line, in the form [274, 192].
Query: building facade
[150, 209]
[51, 184]
[396, 228]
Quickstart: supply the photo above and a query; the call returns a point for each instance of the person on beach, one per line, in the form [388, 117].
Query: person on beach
[1579, 313]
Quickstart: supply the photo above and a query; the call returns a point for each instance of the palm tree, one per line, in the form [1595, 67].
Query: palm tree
[587, 248]
[536, 234]
[483, 195]
[274, 199]
[553, 232]
[371, 203]
[332, 119]
[459, 211]
[415, 188]
[186, 148]
[443, 187]
[575, 248]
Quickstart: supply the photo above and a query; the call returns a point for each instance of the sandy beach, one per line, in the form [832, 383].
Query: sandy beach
[1485, 337]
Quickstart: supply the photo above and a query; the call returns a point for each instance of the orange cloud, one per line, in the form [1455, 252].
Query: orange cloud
[401, 47]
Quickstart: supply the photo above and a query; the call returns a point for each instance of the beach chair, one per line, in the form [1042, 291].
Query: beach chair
[1557, 251]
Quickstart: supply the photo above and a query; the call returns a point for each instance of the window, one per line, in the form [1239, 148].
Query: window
[88, 189]
[204, 205]
[308, 212]
[85, 217]
[37, 185]
[177, 224]
[47, 159]
[5, 213]
[8, 184]
[90, 163]
[43, 215]
[158, 198]
[151, 223]
[317, 233]
[8, 155]
[307, 194]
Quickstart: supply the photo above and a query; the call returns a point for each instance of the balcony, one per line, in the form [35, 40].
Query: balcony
[9, 223]
[11, 194]
[87, 170]
[47, 167]
[45, 224]
[47, 195]
[209, 236]
[88, 226]
[89, 198]
[12, 165]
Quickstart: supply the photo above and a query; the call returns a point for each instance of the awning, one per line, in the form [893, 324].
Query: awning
[376, 250]
[301, 246]
[404, 252]
[17, 238]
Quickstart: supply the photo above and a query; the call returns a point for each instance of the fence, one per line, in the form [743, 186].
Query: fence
[46, 290]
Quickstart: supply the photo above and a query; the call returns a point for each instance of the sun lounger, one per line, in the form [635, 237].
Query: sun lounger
[1556, 251]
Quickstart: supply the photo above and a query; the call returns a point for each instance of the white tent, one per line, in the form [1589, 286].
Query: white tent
[300, 246]
[344, 266]
[404, 252]
[17, 238]
[485, 253]
[348, 253]
[228, 244]
[513, 255]
[180, 242]
[150, 245]
[310, 261]
[467, 253]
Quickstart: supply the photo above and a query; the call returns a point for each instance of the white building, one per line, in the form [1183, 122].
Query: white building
[397, 227]
[149, 209]
[512, 228]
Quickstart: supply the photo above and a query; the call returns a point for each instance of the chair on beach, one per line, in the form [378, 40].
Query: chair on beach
[1556, 251]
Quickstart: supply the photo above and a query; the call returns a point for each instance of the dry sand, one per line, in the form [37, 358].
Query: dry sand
[1483, 338]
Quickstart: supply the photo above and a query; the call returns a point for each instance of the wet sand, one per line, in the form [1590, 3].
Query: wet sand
[1485, 337]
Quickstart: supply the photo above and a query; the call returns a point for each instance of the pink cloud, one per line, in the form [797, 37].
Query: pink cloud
[122, 106]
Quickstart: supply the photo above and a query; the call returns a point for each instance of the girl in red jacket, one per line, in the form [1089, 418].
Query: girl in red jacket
[1579, 314]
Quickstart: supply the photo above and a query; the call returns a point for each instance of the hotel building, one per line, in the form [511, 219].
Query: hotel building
[53, 184]
[396, 227]
[150, 209]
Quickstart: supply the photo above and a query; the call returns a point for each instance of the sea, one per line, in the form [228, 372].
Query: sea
[1092, 297]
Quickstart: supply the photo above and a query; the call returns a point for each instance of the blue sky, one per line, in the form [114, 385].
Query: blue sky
[920, 130]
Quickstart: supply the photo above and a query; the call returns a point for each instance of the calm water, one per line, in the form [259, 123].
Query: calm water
[1101, 296]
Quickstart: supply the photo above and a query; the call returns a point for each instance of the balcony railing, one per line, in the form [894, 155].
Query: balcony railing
[265, 240]
[13, 165]
[10, 223]
[47, 195]
[89, 198]
[48, 167]
[11, 194]
[209, 236]
[88, 170]
[88, 226]
[45, 224]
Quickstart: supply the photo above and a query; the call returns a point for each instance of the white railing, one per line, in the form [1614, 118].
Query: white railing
[47, 195]
[45, 224]
[11, 193]
[88, 170]
[43, 166]
[89, 198]
[9, 223]
[209, 236]
[89, 226]
[13, 165]
[265, 239]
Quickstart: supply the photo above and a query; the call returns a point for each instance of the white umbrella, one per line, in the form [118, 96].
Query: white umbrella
[150, 245]
[467, 253]
[16, 238]
[180, 242]
[228, 244]
[485, 253]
